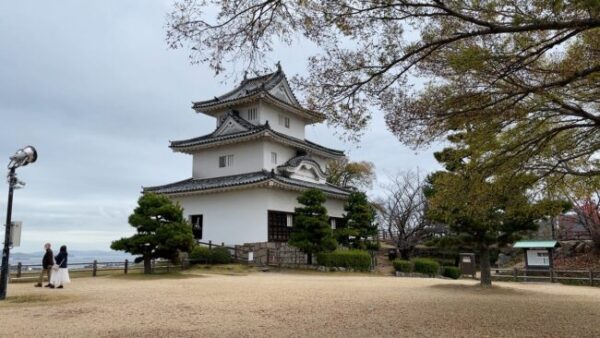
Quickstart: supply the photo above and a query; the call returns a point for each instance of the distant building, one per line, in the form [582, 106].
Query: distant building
[248, 173]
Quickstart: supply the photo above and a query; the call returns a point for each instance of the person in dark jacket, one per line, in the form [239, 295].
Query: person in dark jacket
[47, 263]
[61, 277]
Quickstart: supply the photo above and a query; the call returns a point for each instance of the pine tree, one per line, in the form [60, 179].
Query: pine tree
[483, 207]
[162, 231]
[312, 233]
[359, 231]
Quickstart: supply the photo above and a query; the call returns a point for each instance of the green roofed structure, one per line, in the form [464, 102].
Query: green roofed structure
[538, 254]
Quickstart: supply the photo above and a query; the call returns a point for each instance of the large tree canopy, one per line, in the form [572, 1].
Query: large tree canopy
[533, 66]
[483, 208]
[357, 175]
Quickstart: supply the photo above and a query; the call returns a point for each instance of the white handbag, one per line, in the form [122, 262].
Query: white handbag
[55, 267]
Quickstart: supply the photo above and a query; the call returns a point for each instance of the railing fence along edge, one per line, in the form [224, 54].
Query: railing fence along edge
[553, 275]
[22, 271]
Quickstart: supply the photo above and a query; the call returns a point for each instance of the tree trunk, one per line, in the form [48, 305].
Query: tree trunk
[485, 267]
[405, 254]
[309, 259]
[147, 265]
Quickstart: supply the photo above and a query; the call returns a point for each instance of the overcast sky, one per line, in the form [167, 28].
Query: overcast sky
[92, 85]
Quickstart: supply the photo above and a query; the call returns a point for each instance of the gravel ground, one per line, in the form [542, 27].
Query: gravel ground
[285, 304]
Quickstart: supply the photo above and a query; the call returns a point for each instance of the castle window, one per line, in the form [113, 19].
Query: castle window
[284, 121]
[274, 158]
[252, 114]
[225, 161]
[279, 226]
[196, 221]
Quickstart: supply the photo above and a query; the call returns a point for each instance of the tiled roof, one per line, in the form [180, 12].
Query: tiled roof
[250, 89]
[192, 184]
[252, 130]
[536, 244]
[196, 185]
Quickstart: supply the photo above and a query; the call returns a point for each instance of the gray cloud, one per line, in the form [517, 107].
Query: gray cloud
[94, 88]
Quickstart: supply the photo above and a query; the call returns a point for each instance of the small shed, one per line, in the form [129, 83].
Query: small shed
[538, 254]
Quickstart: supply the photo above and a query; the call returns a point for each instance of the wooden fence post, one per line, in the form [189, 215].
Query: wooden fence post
[515, 274]
[551, 275]
[591, 277]
[19, 267]
[126, 266]
[94, 268]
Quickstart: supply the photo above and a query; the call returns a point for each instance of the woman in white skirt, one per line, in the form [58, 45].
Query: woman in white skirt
[60, 272]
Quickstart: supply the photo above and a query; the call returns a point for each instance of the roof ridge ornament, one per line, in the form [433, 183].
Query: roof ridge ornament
[278, 65]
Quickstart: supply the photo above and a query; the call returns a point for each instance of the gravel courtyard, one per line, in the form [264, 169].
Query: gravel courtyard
[285, 304]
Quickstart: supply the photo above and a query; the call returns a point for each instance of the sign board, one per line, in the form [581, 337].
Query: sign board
[250, 256]
[538, 257]
[467, 264]
[15, 233]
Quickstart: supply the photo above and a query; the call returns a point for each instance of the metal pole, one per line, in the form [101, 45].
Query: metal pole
[12, 180]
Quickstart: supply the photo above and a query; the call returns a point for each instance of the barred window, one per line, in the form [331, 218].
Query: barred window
[280, 226]
[225, 161]
[284, 121]
[252, 114]
[273, 157]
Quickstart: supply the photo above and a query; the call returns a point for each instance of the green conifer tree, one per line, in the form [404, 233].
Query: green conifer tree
[312, 233]
[162, 232]
[360, 231]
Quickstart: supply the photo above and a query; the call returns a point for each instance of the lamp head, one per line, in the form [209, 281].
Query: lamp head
[23, 157]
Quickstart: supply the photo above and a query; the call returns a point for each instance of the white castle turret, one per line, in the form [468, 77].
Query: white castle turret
[248, 173]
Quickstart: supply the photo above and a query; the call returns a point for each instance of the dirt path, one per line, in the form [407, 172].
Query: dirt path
[280, 304]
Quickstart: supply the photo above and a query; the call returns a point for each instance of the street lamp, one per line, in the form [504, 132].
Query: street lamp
[21, 158]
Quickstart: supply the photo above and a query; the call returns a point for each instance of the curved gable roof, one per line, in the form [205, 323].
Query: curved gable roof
[268, 87]
[253, 131]
[259, 178]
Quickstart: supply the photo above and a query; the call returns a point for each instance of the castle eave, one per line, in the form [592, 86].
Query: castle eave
[208, 141]
[217, 106]
[258, 179]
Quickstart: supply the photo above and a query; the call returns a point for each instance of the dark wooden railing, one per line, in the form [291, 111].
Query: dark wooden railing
[588, 277]
[94, 268]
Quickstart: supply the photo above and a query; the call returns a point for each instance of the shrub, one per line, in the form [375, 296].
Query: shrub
[220, 255]
[426, 266]
[200, 254]
[445, 261]
[451, 272]
[216, 255]
[351, 259]
[403, 265]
